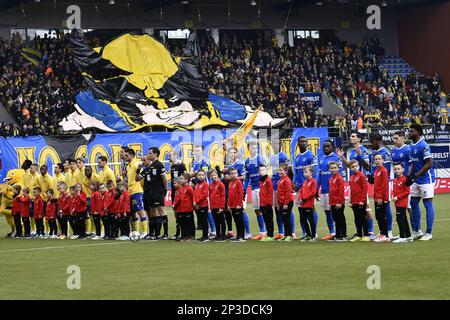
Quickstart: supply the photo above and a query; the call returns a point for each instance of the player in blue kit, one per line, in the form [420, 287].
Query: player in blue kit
[400, 154]
[201, 163]
[377, 148]
[304, 159]
[323, 183]
[421, 179]
[360, 154]
[237, 164]
[276, 160]
[252, 178]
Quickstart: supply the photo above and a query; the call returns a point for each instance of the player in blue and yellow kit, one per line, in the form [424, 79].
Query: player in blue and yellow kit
[136, 192]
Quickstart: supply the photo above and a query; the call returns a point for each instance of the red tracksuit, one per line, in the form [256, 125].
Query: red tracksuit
[184, 199]
[111, 204]
[336, 184]
[284, 191]
[50, 209]
[80, 204]
[235, 194]
[38, 207]
[64, 203]
[97, 202]
[217, 195]
[25, 206]
[358, 189]
[381, 185]
[16, 205]
[124, 203]
[101, 205]
[266, 192]
[401, 191]
[307, 193]
[71, 203]
[201, 193]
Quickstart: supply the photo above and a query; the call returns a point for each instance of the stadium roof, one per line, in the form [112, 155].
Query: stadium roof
[281, 4]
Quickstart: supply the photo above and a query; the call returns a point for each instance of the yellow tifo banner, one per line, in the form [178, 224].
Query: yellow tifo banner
[148, 61]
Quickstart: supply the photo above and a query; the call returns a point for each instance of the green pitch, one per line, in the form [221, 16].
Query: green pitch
[37, 269]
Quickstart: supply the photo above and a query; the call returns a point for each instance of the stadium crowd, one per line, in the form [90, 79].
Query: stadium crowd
[253, 72]
[37, 94]
[258, 72]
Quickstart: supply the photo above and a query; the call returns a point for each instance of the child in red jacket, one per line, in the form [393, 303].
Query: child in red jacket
[381, 197]
[306, 198]
[285, 202]
[358, 202]
[201, 194]
[50, 214]
[97, 206]
[183, 206]
[235, 203]
[16, 211]
[63, 205]
[266, 201]
[124, 212]
[217, 204]
[401, 196]
[108, 203]
[38, 212]
[337, 201]
[80, 212]
[104, 193]
[112, 209]
[25, 202]
[72, 217]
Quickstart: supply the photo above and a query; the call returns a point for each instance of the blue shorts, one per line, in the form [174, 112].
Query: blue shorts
[137, 202]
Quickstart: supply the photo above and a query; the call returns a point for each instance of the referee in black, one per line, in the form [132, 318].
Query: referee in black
[177, 169]
[155, 189]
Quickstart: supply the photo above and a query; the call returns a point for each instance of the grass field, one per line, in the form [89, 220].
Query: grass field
[36, 269]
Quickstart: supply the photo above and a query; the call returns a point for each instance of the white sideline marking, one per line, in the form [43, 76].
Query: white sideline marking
[124, 242]
[375, 221]
[57, 247]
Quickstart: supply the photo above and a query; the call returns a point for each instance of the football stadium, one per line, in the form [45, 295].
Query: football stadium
[150, 149]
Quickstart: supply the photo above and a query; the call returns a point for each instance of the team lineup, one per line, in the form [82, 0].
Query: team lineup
[76, 203]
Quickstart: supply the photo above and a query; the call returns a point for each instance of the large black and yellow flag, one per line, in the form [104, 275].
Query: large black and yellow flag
[144, 85]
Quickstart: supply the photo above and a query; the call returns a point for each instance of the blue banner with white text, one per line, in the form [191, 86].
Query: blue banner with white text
[315, 97]
[51, 150]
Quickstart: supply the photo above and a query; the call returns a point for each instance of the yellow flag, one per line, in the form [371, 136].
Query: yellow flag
[238, 137]
[34, 56]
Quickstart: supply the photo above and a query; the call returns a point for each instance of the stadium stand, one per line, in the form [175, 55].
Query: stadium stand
[37, 95]
[372, 89]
